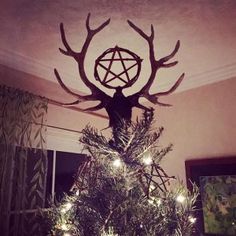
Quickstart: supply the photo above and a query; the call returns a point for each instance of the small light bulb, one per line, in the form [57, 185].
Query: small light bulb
[117, 163]
[180, 198]
[192, 219]
[66, 234]
[152, 187]
[147, 160]
[151, 200]
[63, 210]
[141, 226]
[68, 206]
[64, 227]
[159, 202]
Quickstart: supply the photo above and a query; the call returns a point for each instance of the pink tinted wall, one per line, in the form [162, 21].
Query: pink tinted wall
[58, 139]
[201, 124]
[74, 120]
[57, 115]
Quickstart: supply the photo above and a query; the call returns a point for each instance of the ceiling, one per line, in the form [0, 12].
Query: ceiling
[30, 38]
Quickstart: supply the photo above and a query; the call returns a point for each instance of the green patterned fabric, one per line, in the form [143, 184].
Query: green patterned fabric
[23, 161]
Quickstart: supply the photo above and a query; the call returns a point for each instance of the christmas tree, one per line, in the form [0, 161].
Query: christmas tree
[121, 188]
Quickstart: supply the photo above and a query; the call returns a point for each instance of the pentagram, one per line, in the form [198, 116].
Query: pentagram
[117, 67]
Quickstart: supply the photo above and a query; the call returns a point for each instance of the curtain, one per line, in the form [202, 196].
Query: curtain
[23, 161]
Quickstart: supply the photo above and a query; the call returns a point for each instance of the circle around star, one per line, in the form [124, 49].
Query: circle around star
[117, 68]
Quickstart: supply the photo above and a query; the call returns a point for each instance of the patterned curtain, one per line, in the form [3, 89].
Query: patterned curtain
[23, 161]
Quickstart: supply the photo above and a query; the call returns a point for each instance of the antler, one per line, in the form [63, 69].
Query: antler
[96, 93]
[155, 65]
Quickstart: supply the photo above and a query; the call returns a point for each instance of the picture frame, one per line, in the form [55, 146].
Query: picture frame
[216, 203]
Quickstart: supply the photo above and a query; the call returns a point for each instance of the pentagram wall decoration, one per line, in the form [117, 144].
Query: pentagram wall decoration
[117, 68]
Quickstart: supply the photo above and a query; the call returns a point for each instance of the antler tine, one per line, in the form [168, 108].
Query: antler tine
[96, 93]
[80, 97]
[80, 59]
[145, 90]
[87, 22]
[172, 89]
[63, 85]
[155, 65]
[91, 33]
[95, 108]
[139, 31]
[167, 58]
[138, 105]
[71, 103]
[99, 28]
[69, 51]
[154, 97]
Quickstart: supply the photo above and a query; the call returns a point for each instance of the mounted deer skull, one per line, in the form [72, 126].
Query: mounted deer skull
[118, 107]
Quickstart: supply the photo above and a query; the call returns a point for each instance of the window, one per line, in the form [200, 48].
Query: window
[62, 167]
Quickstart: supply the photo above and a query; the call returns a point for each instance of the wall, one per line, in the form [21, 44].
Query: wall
[58, 139]
[63, 140]
[201, 124]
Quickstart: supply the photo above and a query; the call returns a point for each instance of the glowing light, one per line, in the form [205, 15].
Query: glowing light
[141, 226]
[158, 202]
[110, 232]
[151, 200]
[147, 160]
[152, 187]
[180, 198]
[192, 219]
[68, 206]
[154, 201]
[66, 234]
[64, 227]
[63, 210]
[117, 163]
[77, 193]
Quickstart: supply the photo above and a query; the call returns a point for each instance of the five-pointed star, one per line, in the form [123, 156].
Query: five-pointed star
[116, 59]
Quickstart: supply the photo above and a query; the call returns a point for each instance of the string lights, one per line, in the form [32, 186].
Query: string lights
[122, 190]
[117, 163]
[147, 160]
[192, 219]
[180, 198]
[67, 234]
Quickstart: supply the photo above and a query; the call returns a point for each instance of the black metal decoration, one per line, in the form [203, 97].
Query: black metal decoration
[117, 73]
[119, 106]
